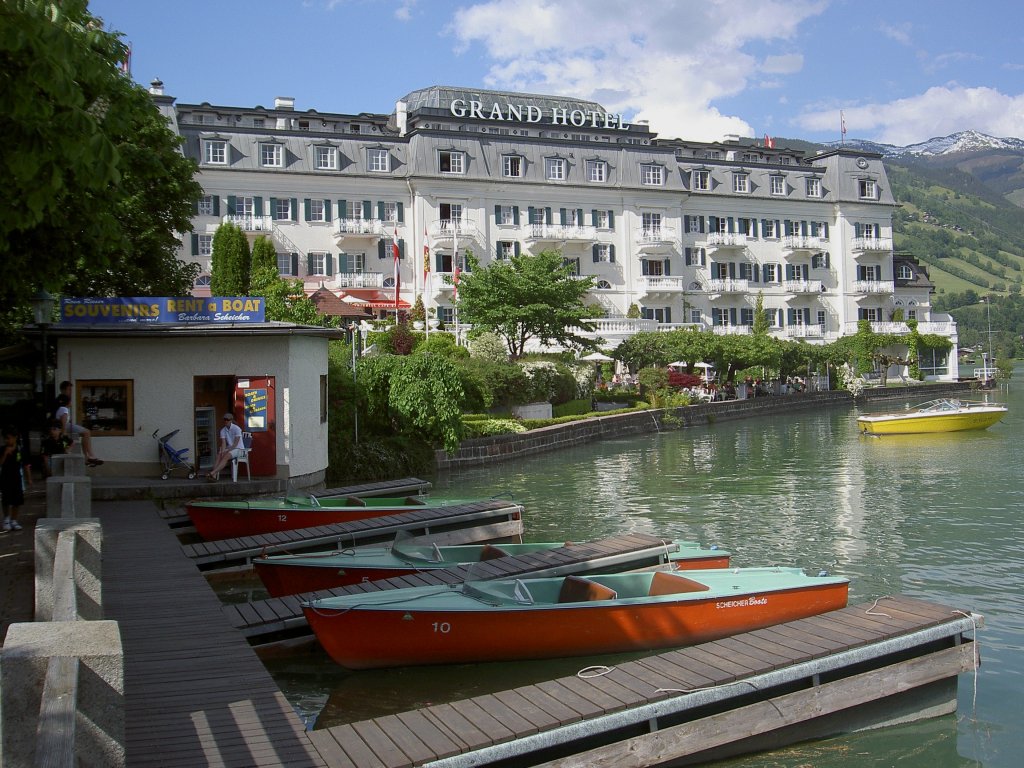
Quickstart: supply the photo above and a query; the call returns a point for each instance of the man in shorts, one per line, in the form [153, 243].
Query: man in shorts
[74, 431]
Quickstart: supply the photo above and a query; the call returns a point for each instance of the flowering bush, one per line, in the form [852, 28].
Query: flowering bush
[488, 427]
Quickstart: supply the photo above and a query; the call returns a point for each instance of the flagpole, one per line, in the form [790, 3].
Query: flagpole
[455, 268]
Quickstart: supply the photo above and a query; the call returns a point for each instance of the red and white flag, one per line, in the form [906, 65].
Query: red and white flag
[455, 283]
[842, 122]
[769, 142]
[394, 249]
[426, 257]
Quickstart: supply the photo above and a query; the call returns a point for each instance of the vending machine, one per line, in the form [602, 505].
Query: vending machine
[206, 437]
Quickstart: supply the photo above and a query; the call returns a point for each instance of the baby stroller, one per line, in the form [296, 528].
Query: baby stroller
[171, 458]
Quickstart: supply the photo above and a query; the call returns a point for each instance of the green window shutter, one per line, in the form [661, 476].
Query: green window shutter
[856, 230]
[195, 244]
[342, 263]
[497, 214]
[273, 208]
[611, 253]
[401, 248]
[231, 205]
[295, 264]
[257, 206]
[401, 212]
[330, 264]
[668, 270]
[563, 216]
[611, 219]
[515, 248]
[529, 213]
[643, 267]
[342, 210]
[593, 252]
[729, 225]
[547, 216]
[327, 211]
[380, 248]
[380, 210]
[688, 257]
[713, 223]
[195, 208]
[216, 205]
[305, 209]
[367, 209]
[515, 215]
[593, 216]
[579, 216]
[295, 209]
[309, 263]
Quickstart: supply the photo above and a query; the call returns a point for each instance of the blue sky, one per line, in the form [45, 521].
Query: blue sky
[901, 71]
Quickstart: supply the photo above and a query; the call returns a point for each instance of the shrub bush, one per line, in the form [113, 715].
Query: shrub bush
[491, 427]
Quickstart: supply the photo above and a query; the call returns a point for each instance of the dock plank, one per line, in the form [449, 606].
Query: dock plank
[377, 740]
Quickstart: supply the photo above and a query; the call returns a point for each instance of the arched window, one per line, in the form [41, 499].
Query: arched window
[603, 285]
[203, 281]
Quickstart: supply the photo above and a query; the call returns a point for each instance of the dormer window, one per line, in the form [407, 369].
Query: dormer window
[652, 175]
[271, 155]
[700, 181]
[741, 183]
[903, 272]
[512, 166]
[326, 158]
[554, 168]
[867, 189]
[378, 160]
[450, 161]
[778, 185]
[215, 152]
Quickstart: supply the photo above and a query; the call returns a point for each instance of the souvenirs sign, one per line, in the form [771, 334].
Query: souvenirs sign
[186, 310]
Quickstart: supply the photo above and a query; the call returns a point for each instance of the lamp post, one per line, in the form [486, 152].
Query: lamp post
[42, 314]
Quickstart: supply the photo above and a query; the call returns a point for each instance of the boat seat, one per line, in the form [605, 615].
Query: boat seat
[665, 583]
[414, 500]
[491, 552]
[355, 501]
[577, 590]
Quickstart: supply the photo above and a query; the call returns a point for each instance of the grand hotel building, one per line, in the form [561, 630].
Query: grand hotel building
[691, 233]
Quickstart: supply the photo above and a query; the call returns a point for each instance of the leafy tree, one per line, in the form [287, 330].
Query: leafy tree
[489, 346]
[285, 300]
[231, 263]
[691, 345]
[92, 173]
[644, 349]
[760, 317]
[526, 298]
[263, 257]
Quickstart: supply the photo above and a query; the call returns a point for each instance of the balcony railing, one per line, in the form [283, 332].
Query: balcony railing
[359, 280]
[364, 227]
[873, 286]
[250, 223]
[561, 233]
[728, 285]
[799, 243]
[802, 286]
[448, 230]
[623, 325]
[655, 238]
[815, 331]
[649, 284]
[726, 240]
[865, 244]
[732, 330]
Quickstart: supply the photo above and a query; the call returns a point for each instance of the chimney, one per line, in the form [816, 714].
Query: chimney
[156, 87]
[284, 102]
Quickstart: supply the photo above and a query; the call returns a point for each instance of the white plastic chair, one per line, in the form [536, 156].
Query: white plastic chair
[242, 458]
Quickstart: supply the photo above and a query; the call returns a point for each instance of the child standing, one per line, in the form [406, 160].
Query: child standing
[11, 480]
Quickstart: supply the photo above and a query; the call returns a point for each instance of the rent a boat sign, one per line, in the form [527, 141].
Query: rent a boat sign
[186, 310]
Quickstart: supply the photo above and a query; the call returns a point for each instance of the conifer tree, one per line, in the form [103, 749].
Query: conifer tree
[230, 262]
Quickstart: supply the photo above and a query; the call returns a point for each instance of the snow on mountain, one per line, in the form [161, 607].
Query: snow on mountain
[963, 141]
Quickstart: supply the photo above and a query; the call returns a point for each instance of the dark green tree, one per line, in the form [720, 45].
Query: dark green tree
[92, 172]
[527, 298]
[231, 263]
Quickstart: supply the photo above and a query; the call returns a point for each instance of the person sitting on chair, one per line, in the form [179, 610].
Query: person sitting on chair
[74, 431]
[230, 446]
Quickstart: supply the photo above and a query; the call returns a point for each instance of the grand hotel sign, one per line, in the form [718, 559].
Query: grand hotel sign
[530, 113]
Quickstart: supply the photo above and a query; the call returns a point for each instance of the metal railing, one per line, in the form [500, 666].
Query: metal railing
[872, 244]
[561, 232]
[873, 286]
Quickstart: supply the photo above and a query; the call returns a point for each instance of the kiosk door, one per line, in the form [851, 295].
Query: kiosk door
[257, 397]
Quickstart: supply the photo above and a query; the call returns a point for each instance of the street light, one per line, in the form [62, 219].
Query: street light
[42, 313]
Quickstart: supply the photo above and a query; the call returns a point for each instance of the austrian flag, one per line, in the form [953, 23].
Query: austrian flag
[394, 249]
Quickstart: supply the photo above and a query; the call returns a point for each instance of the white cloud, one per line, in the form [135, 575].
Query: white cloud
[938, 111]
[667, 64]
[900, 33]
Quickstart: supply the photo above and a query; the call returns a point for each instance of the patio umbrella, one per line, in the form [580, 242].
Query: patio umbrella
[707, 368]
[597, 357]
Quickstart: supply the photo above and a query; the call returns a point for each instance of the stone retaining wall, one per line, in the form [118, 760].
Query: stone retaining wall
[499, 448]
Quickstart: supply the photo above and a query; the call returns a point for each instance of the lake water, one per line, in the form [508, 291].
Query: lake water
[931, 516]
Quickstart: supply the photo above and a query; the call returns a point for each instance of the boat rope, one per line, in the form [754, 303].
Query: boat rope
[328, 611]
[977, 662]
[872, 612]
[598, 670]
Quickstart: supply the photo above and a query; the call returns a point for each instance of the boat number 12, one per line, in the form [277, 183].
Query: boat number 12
[443, 627]
[282, 518]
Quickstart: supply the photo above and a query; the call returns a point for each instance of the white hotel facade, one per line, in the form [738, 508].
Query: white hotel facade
[689, 232]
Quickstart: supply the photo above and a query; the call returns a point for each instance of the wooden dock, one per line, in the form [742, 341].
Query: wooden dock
[493, 519]
[196, 694]
[278, 619]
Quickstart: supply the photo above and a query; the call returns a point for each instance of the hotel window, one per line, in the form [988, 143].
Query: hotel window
[215, 152]
[205, 207]
[317, 211]
[203, 281]
[597, 170]
[814, 187]
[821, 317]
[257, 122]
[903, 272]
[693, 224]
[603, 285]
[701, 181]
[378, 160]
[713, 154]
[652, 268]
[749, 157]
[602, 219]
[867, 189]
[389, 212]
[746, 315]
[771, 274]
[451, 162]
[506, 250]
[511, 166]
[326, 158]
[538, 216]
[244, 206]
[282, 210]
[872, 314]
[284, 263]
[271, 155]
[695, 316]
[554, 168]
[205, 245]
[778, 185]
[651, 223]
[603, 253]
[318, 263]
[506, 214]
[741, 183]
[651, 175]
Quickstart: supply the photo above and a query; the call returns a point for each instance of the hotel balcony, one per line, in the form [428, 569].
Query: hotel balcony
[440, 285]
[655, 239]
[862, 245]
[873, 286]
[558, 235]
[732, 330]
[795, 244]
[726, 241]
[446, 233]
[727, 285]
[650, 285]
[802, 286]
[815, 331]
[359, 280]
[250, 224]
[359, 232]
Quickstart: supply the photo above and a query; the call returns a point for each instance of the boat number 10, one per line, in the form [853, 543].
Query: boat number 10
[442, 627]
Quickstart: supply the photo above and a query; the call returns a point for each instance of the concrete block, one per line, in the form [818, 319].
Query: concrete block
[88, 572]
[69, 496]
[99, 722]
[67, 464]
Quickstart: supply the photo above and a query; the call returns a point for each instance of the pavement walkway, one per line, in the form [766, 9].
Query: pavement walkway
[17, 562]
